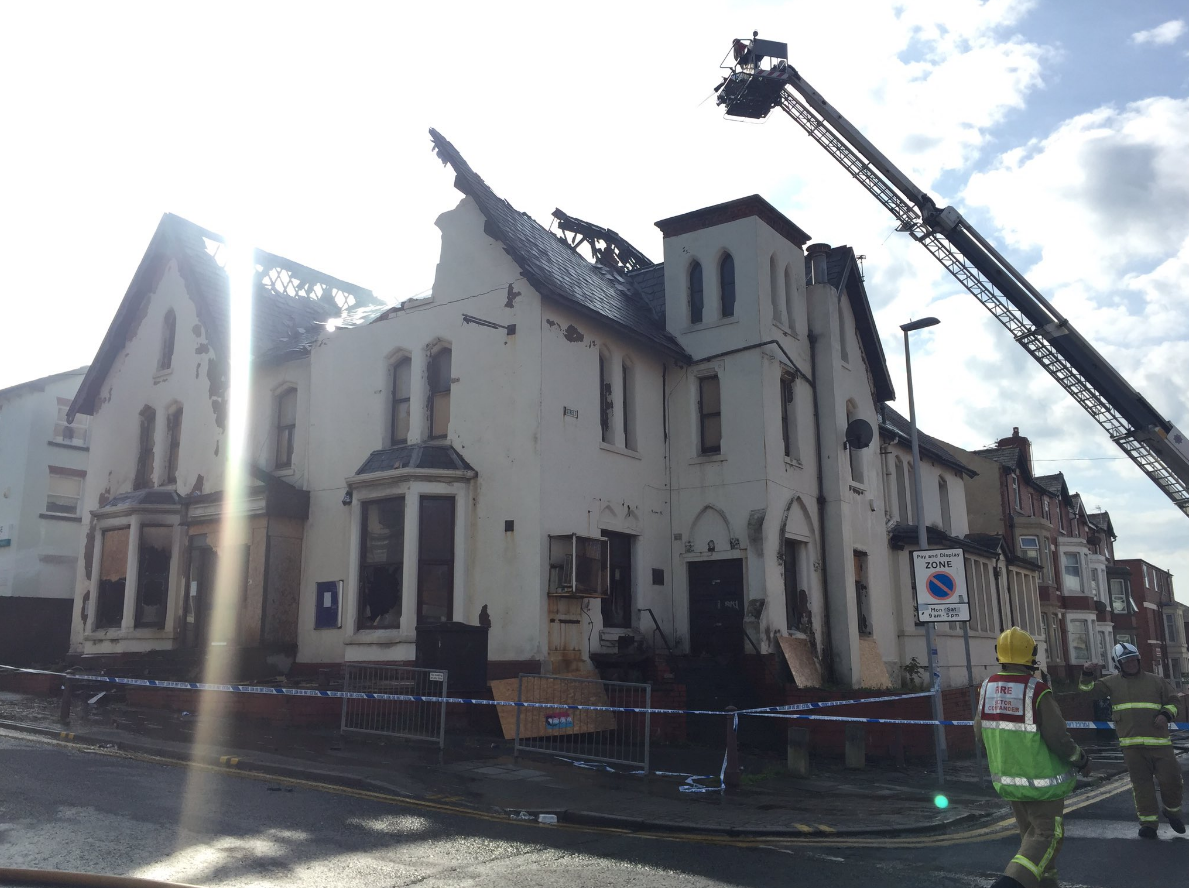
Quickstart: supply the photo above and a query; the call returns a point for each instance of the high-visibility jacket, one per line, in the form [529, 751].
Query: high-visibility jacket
[1136, 700]
[1023, 766]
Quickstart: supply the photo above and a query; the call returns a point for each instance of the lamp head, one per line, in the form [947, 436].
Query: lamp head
[919, 325]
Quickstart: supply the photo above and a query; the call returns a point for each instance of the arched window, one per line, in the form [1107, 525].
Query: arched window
[790, 299]
[902, 492]
[606, 398]
[695, 293]
[439, 394]
[168, 335]
[629, 406]
[402, 382]
[943, 490]
[173, 432]
[856, 455]
[286, 428]
[726, 285]
[144, 455]
[774, 286]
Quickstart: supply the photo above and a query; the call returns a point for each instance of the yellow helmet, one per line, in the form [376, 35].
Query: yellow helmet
[1016, 646]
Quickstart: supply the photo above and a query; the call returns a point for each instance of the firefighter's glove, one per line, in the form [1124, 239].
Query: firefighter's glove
[1161, 721]
[1084, 765]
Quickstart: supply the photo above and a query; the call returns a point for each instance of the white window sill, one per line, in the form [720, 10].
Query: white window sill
[126, 634]
[710, 325]
[162, 374]
[857, 488]
[615, 448]
[786, 329]
[708, 458]
[284, 473]
[69, 445]
[379, 636]
[790, 463]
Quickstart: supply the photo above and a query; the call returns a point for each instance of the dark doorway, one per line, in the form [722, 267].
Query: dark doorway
[716, 608]
[200, 586]
[435, 561]
[617, 606]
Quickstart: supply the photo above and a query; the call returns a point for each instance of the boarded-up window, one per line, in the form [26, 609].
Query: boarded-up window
[709, 415]
[435, 560]
[402, 380]
[439, 393]
[113, 575]
[152, 575]
[286, 428]
[381, 574]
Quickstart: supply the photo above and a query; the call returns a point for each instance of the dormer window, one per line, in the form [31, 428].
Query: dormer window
[726, 285]
[168, 335]
[695, 293]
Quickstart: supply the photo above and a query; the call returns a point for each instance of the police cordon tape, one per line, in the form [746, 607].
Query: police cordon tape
[791, 711]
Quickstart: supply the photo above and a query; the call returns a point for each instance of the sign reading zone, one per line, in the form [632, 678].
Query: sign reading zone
[940, 579]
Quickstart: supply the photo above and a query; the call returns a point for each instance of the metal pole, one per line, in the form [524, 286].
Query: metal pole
[978, 753]
[923, 543]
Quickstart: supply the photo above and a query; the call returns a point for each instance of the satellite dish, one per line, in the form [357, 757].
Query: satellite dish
[859, 434]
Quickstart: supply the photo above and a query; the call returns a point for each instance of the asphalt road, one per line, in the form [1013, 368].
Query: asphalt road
[71, 809]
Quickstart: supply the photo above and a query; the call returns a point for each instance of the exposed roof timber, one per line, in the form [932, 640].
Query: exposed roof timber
[606, 246]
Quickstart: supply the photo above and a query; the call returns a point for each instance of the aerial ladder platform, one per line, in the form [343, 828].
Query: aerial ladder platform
[760, 79]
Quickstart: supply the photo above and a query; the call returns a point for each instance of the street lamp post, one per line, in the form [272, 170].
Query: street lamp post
[923, 543]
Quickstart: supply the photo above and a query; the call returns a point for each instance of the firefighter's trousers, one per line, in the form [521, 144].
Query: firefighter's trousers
[1148, 766]
[1041, 832]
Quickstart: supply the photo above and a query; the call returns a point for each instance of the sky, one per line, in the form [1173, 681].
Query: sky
[1060, 129]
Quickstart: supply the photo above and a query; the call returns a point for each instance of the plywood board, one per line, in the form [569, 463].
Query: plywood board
[872, 672]
[807, 672]
[539, 722]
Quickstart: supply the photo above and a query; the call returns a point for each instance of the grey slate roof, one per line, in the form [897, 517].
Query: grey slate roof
[415, 456]
[1008, 457]
[651, 284]
[895, 425]
[1054, 484]
[289, 300]
[154, 497]
[842, 268]
[554, 268]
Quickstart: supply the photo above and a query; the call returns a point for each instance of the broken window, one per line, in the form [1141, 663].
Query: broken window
[439, 394]
[629, 406]
[168, 334]
[617, 606]
[788, 417]
[144, 457]
[70, 432]
[286, 428]
[65, 491]
[709, 415]
[606, 402]
[152, 575]
[796, 600]
[695, 293]
[173, 433]
[402, 381]
[113, 574]
[435, 560]
[726, 285]
[381, 572]
[943, 491]
[863, 595]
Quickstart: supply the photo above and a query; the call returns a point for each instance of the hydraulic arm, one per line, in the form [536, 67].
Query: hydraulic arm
[760, 79]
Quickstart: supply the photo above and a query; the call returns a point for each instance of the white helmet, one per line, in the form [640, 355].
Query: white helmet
[1125, 651]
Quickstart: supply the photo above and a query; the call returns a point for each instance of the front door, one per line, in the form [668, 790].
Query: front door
[716, 608]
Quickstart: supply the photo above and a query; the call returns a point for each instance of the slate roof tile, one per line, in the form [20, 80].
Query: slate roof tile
[414, 456]
[892, 422]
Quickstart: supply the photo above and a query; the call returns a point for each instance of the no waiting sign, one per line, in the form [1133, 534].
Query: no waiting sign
[940, 576]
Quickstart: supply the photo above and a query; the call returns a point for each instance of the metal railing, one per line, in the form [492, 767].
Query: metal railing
[612, 737]
[413, 719]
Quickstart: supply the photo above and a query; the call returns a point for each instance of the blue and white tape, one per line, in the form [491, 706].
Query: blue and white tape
[791, 711]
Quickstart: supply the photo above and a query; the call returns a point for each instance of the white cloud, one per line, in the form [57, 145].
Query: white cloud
[1161, 35]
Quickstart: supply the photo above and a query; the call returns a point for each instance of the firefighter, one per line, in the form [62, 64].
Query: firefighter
[1033, 759]
[1143, 705]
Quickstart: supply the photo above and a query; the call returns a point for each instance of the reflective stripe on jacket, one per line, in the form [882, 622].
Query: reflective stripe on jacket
[1023, 767]
[1135, 702]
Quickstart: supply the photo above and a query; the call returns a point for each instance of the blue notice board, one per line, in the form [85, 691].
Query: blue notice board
[327, 596]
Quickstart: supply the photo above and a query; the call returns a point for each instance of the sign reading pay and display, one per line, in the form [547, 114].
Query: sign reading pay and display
[940, 576]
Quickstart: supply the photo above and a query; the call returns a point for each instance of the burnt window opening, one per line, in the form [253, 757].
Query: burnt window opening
[796, 600]
[113, 577]
[943, 492]
[857, 473]
[863, 596]
[901, 492]
[439, 393]
[173, 432]
[168, 335]
[286, 428]
[144, 454]
[695, 293]
[788, 417]
[435, 560]
[606, 401]
[726, 285]
[402, 382]
[617, 606]
[382, 564]
[709, 415]
[152, 576]
[629, 406]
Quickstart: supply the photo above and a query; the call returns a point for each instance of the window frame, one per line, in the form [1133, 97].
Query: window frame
[62, 472]
[696, 293]
[788, 416]
[790, 298]
[628, 400]
[395, 402]
[435, 394]
[139, 621]
[703, 414]
[726, 286]
[146, 445]
[1075, 574]
[98, 622]
[396, 566]
[287, 433]
[169, 327]
[424, 562]
[943, 495]
[173, 441]
[606, 399]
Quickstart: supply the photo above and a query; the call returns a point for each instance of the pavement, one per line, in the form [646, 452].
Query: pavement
[480, 775]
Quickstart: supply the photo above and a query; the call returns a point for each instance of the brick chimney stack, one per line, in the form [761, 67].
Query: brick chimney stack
[1017, 440]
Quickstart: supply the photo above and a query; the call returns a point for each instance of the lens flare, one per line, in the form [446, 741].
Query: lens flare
[941, 801]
